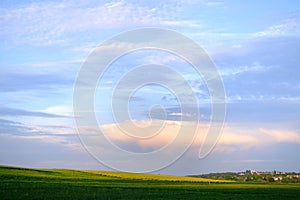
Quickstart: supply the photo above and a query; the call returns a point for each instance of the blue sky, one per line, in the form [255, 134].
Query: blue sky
[254, 45]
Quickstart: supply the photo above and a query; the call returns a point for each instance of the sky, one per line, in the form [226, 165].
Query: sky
[253, 45]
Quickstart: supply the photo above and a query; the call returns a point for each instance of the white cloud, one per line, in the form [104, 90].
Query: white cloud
[255, 67]
[48, 23]
[180, 114]
[87, 47]
[202, 2]
[182, 23]
[60, 110]
[286, 28]
[214, 3]
[163, 59]
[115, 4]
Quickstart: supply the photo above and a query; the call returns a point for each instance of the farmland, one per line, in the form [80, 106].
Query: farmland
[25, 183]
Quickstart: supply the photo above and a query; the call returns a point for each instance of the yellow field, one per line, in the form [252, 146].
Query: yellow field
[158, 177]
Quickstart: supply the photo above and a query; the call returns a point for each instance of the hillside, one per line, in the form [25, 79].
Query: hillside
[25, 183]
[65, 174]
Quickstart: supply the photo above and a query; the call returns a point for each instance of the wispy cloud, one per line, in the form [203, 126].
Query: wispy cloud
[260, 161]
[54, 134]
[18, 81]
[214, 3]
[282, 135]
[255, 67]
[5, 111]
[12, 127]
[202, 2]
[288, 27]
[27, 24]
[252, 161]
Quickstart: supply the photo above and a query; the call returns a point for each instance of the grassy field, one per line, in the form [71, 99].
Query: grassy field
[23, 183]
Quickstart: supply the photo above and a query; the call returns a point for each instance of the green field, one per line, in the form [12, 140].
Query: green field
[24, 183]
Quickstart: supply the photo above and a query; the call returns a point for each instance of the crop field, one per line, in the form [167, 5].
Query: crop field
[25, 183]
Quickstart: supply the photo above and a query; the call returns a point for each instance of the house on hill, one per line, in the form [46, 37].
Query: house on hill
[251, 171]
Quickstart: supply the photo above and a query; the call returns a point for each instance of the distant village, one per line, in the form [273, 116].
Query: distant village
[256, 176]
[277, 176]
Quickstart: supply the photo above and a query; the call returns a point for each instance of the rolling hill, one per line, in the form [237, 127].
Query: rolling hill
[29, 183]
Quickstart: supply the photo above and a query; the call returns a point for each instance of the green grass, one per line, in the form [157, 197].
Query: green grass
[24, 183]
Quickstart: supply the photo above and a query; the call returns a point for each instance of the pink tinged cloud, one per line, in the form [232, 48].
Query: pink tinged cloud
[156, 136]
